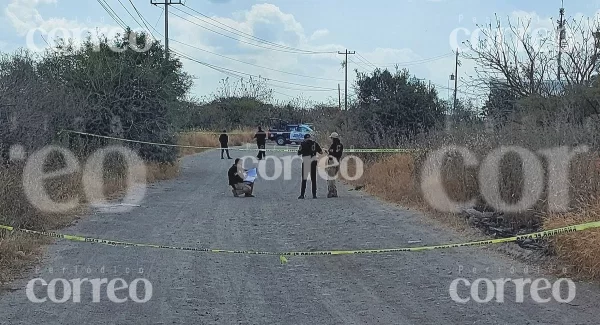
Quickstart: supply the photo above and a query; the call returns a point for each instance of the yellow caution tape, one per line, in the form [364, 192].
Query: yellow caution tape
[350, 150]
[282, 255]
[136, 141]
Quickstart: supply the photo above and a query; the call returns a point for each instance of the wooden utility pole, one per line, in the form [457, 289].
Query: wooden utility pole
[166, 3]
[561, 39]
[455, 81]
[346, 78]
[339, 97]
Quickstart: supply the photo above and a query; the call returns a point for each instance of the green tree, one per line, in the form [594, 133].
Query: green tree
[129, 92]
[395, 104]
[500, 104]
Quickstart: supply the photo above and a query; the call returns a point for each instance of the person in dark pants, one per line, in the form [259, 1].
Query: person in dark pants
[261, 140]
[235, 175]
[308, 150]
[335, 156]
[224, 140]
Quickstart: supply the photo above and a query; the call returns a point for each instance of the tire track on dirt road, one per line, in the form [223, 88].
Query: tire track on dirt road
[197, 209]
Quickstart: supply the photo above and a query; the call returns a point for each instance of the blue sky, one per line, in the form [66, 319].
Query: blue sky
[415, 34]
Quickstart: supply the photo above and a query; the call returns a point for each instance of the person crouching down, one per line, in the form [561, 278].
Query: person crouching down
[236, 180]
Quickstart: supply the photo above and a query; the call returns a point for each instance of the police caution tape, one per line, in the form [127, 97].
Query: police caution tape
[282, 255]
[351, 150]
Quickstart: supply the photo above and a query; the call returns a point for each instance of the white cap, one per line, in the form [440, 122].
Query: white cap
[334, 135]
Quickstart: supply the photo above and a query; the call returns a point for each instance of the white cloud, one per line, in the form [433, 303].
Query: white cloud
[29, 23]
[268, 22]
[24, 15]
[319, 34]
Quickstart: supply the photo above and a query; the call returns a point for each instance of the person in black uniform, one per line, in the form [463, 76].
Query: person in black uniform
[235, 175]
[261, 140]
[224, 140]
[335, 156]
[308, 150]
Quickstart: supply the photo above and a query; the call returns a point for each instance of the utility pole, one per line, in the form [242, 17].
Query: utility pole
[346, 78]
[166, 3]
[561, 38]
[455, 81]
[339, 97]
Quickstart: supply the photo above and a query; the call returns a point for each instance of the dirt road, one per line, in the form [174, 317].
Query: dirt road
[197, 209]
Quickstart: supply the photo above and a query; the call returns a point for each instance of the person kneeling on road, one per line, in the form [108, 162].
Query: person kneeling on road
[236, 180]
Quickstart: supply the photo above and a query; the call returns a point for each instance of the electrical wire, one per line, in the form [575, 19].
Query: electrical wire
[252, 64]
[358, 64]
[144, 21]
[112, 13]
[417, 62]
[362, 58]
[243, 41]
[247, 35]
[457, 90]
[222, 69]
[159, 17]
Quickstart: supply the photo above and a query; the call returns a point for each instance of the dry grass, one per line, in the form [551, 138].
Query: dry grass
[397, 178]
[392, 178]
[17, 250]
[579, 249]
[203, 138]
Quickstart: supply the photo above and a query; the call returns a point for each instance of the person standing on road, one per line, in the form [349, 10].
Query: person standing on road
[308, 150]
[335, 156]
[261, 140]
[224, 140]
[235, 174]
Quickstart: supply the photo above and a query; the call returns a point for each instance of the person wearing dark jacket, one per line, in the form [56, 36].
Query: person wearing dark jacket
[224, 140]
[261, 140]
[335, 156]
[308, 150]
[235, 174]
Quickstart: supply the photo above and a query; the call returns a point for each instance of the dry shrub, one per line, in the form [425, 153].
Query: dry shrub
[397, 178]
[392, 178]
[18, 251]
[161, 171]
[580, 249]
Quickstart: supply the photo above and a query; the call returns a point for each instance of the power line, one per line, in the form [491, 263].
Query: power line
[112, 13]
[458, 90]
[313, 88]
[359, 64]
[252, 64]
[241, 40]
[247, 35]
[248, 63]
[144, 21]
[159, 17]
[362, 58]
[127, 10]
[415, 62]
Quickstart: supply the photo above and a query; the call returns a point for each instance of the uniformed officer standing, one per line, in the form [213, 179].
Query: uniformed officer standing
[335, 156]
[308, 150]
[261, 140]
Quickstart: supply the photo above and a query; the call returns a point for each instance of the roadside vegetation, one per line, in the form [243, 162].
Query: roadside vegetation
[140, 96]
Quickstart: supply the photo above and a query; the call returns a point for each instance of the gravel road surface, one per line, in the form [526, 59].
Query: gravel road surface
[197, 209]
